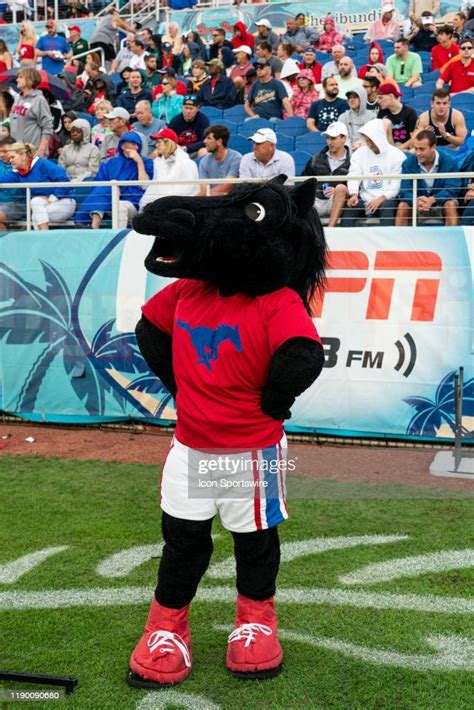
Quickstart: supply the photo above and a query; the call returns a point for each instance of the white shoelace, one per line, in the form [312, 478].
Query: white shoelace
[249, 633]
[167, 642]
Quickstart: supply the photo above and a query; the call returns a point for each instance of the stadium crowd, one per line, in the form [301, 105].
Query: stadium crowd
[132, 104]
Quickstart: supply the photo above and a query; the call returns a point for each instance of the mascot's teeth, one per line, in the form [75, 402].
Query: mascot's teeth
[166, 259]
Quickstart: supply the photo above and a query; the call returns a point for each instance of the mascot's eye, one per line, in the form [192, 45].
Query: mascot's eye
[255, 212]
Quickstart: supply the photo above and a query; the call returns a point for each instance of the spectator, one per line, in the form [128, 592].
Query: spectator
[139, 54]
[239, 71]
[386, 27]
[380, 72]
[119, 119]
[173, 37]
[304, 94]
[53, 50]
[31, 120]
[447, 123]
[48, 203]
[146, 124]
[299, 36]
[404, 66]
[147, 37]
[218, 41]
[422, 37]
[371, 84]
[136, 92]
[169, 74]
[152, 76]
[128, 164]
[63, 137]
[266, 161]
[266, 34]
[26, 47]
[309, 62]
[168, 103]
[198, 76]
[124, 57]
[186, 58]
[12, 200]
[267, 97]
[77, 44]
[332, 68]
[330, 36]
[327, 110]
[288, 77]
[227, 58]
[356, 116]
[218, 90]
[346, 79]
[459, 25]
[402, 117]
[435, 198]
[168, 60]
[195, 38]
[241, 36]
[171, 163]
[375, 57]
[105, 34]
[332, 160]
[220, 162]
[446, 49]
[417, 7]
[264, 51]
[459, 74]
[376, 195]
[285, 51]
[6, 59]
[79, 158]
[190, 126]
[101, 129]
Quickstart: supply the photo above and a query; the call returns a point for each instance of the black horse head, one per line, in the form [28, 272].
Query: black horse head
[255, 240]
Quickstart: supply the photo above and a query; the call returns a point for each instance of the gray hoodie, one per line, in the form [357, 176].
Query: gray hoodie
[354, 120]
[30, 118]
[81, 160]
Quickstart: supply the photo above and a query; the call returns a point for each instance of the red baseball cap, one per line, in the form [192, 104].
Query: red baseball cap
[165, 133]
[389, 88]
[74, 28]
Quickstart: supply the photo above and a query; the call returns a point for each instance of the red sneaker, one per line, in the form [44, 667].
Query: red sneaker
[254, 650]
[163, 654]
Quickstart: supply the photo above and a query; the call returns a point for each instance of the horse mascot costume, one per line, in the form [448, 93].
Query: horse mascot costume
[233, 341]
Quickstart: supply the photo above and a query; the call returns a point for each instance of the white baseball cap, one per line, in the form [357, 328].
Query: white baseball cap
[264, 23]
[387, 8]
[118, 112]
[243, 48]
[264, 134]
[338, 128]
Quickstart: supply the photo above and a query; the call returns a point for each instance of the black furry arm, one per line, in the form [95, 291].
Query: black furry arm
[294, 367]
[155, 346]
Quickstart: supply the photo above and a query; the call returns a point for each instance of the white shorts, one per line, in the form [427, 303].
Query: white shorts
[246, 489]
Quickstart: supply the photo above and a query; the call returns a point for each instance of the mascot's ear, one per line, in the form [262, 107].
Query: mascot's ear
[278, 180]
[304, 195]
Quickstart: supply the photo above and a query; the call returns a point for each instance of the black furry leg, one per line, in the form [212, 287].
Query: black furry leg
[186, 555]
[257, 556]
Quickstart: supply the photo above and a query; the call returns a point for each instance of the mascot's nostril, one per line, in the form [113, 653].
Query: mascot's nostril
[184, 218]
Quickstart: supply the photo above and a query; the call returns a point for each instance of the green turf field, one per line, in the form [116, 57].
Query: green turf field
[393, 635]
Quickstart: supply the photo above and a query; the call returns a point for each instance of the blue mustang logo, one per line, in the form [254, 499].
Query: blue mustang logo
[206, 341]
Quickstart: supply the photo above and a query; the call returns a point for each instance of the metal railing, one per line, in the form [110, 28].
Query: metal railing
[115, 186]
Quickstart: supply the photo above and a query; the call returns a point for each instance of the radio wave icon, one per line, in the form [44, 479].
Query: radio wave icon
[402, 354]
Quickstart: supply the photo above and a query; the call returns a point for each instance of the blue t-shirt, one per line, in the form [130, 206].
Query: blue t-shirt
[209, 167]
[55, 44]
[266, 98]
[326, 112]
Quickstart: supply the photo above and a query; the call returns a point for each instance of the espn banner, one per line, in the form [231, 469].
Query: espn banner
[396, 321]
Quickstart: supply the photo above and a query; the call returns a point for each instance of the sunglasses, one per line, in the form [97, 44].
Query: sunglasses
[165, 83]
[402, 68]
[466, 49]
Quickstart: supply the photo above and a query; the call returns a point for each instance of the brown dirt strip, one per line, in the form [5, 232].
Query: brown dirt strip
[149, 445]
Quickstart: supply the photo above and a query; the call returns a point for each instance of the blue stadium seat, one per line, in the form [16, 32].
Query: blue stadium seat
[247, 128]
[115, 78]
[431, 76]
[469, 123]
[323, 57]
[427, 88]
[240, 144]
[231, 125]
[386, 45]
[87, 117]
[358, 40]
[420, 103]
[285, 142]
[292, 126]
[211, 112]
[235, 113]
[301, 158]
[310, 142]
[408, 92]
[463, 101]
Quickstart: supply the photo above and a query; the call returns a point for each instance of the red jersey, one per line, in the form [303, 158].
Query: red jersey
[440, 56]
[222, 349]
[458, 76]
